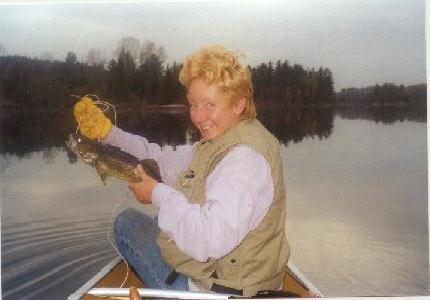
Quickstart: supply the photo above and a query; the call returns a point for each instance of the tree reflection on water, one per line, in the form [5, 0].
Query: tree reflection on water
[23, 133]
[384, 114]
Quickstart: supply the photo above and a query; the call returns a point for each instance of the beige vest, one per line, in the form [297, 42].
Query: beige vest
[259, 262]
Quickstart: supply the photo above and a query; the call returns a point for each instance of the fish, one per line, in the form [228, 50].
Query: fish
[109, 160]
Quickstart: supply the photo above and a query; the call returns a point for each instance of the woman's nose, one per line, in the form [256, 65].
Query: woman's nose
[198, 115]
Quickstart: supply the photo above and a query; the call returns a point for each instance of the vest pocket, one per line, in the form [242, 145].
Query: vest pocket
[228, 269]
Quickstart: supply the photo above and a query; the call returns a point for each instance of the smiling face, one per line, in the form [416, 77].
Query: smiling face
[210, 110]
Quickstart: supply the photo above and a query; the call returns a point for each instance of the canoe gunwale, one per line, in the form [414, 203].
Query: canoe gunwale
[302, 279]
[292, 271]
[96, 278]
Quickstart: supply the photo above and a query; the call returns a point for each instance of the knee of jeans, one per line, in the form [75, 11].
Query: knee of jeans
[130, 219]
[124, 219]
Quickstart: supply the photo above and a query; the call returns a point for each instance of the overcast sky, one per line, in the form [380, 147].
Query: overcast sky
[362, 42]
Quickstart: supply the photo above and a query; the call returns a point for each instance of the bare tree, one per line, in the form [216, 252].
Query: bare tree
[129, 45]
[71, 58]
[148, 49]
[96, 57]
[161, 53]
[2, 50]
[47, 56]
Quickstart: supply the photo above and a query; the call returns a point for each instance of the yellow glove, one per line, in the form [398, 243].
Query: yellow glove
[92, 122]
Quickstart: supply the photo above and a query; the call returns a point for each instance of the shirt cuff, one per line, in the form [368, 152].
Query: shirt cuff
[113, 134]
[160, 193]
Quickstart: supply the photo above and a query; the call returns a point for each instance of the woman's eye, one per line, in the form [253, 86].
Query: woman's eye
[210, 105]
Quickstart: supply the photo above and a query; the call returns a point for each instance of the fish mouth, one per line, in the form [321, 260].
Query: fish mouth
[75, 145]
[72, 144]
[88, 157]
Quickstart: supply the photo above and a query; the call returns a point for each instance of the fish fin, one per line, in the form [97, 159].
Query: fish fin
[151, 168]
[104, 178]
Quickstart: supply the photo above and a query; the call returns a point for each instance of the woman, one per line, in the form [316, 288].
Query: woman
[221, 221]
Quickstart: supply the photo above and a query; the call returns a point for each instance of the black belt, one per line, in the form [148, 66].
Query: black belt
[217, 288]
[260, 295]
[171, 278]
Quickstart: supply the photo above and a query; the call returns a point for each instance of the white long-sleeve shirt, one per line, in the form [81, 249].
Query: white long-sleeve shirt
[239, 192]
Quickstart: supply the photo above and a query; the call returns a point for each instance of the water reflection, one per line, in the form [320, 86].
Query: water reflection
[40, 131]
[356, 190]
[296, 124]
[357, 208]
[22, 134]
[384, 114]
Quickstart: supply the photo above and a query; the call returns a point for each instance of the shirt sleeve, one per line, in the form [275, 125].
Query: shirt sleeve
[239, 192]
[170, 161]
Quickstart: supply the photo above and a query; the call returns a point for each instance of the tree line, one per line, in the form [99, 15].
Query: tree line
[387, 94]
[138, 75]
[284, 85]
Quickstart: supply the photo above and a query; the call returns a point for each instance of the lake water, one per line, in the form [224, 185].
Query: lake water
[356, 203]
[357, 208]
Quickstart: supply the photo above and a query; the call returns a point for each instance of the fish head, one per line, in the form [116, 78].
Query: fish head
[82, 148]
[71, 144]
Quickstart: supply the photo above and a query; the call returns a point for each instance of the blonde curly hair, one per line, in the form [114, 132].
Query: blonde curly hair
[218, 66]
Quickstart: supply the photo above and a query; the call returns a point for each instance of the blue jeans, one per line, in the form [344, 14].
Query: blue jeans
[136, 238]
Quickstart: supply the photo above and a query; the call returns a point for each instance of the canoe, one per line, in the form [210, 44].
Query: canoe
[107, 281]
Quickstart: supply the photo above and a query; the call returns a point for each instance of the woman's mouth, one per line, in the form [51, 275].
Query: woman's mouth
[205, 130]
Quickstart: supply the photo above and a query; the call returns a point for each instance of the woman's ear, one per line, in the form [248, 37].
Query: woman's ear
[240, 106]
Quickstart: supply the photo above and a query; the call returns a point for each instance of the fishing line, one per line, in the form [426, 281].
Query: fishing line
[128, 196]
[105, 107]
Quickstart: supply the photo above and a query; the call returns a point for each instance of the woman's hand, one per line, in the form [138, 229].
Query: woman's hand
[143, 190]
